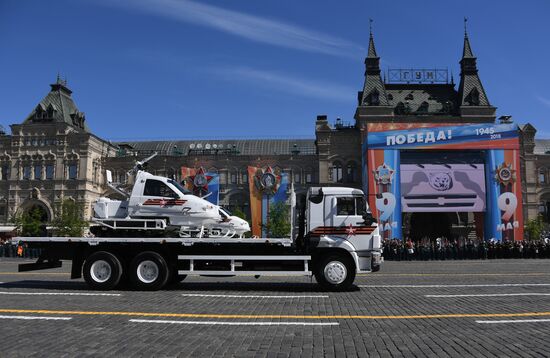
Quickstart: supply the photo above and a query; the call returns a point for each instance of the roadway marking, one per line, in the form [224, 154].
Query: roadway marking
[491, 295]
[37, 318]
[443, 286]
[461, 274]
[515, 321]
[252, 296]
[238, 323]
[270, 316]
[59, 293]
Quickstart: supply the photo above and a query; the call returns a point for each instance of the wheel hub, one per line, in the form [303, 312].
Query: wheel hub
[335, 272]
[100, 271]
[147, 271]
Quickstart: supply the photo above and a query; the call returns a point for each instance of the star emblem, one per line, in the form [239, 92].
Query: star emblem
[199, 182]
[383, 174]
[505, 174]
[350, 230]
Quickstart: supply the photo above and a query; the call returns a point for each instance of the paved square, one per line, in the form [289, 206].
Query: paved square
[424, 309]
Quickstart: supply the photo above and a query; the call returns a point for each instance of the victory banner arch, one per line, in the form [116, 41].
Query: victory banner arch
[434, 168]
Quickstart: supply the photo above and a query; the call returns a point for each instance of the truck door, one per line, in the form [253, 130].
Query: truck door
[344, 210]
[157, 199]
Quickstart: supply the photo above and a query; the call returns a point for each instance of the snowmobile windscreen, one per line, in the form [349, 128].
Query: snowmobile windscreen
[180, 188]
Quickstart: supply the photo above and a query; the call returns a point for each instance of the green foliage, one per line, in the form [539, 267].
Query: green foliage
[29, 223]
[241, 214]
[278, 223]
[68, 220]
[535, 227]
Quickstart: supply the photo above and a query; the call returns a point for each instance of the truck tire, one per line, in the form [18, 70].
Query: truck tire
[335, 272]
[102, 270]
[148, 271]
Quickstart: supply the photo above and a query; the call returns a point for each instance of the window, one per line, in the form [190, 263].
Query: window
[27, 172]
[38, 171]
[350, 206]
[336, 172]
[233, 178]
[245, 178]
[5, 171]
[49, 171]
[374, 98]
[223, 178]
[308, 178]
[424, 107]
[72, 171]
[158, 188]
[297, 177]
[350, 173]
[542, 176]
[345, 206]
[473, 97]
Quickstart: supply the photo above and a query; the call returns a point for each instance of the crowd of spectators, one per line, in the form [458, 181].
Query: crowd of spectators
[464, 249]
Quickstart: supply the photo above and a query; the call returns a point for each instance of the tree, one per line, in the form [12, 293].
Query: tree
[278, 222]
[241, 214]
[535, 227]
[69, 221]
[30, 222]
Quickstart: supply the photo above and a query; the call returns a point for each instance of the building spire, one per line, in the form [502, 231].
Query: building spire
[467, 51]
[470, 90]
[372, 50]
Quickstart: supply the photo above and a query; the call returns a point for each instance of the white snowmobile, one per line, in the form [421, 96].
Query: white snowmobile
[160, 206]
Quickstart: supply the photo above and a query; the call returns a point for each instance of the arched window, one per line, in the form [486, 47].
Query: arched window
[351, 172]
[71, 164]
[542, 175]
[374, 98]
[423, 108]
[473, 97]
[400, 108]
[309, 175]
[336, 173]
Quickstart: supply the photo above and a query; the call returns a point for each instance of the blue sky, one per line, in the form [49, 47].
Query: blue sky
[159, 69]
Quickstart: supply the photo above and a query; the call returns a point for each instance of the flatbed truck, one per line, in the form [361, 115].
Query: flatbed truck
[337, 239]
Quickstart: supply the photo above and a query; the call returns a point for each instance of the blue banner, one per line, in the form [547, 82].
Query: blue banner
[437, 136]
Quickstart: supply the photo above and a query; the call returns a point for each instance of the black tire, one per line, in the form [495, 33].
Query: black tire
[102, 270]
[148, 271]
[335, 272]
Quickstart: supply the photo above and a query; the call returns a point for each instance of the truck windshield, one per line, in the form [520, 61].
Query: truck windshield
[180, 188]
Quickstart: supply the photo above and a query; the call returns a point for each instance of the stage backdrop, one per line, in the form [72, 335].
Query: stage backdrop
[202, 183]
[385, 177]
[266, 188]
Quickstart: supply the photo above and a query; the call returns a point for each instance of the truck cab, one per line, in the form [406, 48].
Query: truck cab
[338, 219]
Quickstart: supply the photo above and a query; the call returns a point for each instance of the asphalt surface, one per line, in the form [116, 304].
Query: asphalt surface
[495, 308]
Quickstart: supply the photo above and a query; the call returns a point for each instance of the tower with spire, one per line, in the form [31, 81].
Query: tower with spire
[411, 101]
[473, 101]
[373, 100]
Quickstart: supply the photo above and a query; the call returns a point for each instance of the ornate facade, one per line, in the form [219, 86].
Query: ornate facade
[52, 154]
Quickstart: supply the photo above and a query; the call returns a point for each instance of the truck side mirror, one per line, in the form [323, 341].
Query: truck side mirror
[317, 199]
[369, 218]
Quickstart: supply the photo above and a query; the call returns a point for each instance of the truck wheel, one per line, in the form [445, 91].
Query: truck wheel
[102, 270]
[148, 271]
[335, 272]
